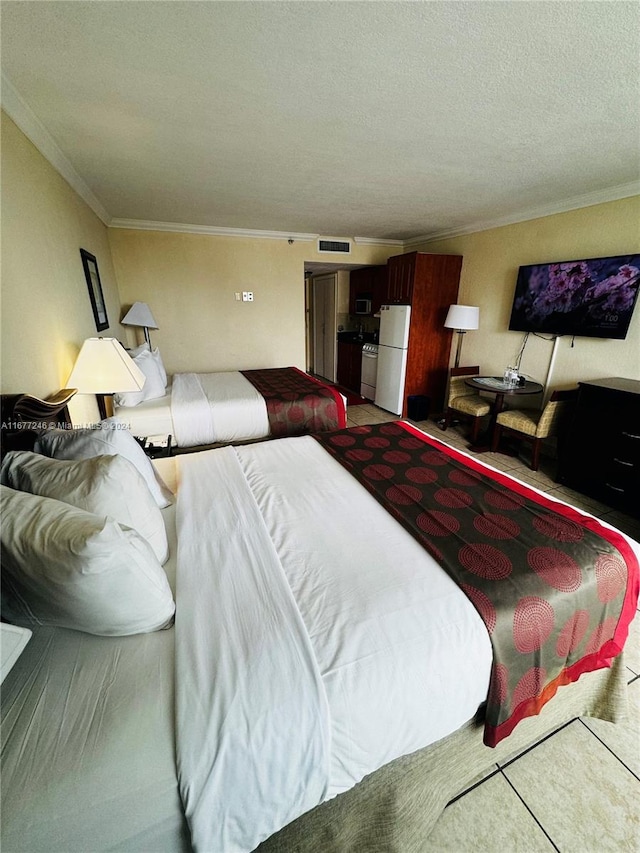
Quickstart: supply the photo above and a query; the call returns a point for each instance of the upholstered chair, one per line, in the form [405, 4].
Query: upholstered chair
[532, 425]
[464, 402]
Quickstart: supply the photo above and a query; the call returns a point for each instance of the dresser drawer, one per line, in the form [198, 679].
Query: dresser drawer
[601, 453]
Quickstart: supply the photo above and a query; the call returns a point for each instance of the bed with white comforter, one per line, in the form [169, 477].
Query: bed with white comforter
[202, 408]
[341, 612]
[315, 643]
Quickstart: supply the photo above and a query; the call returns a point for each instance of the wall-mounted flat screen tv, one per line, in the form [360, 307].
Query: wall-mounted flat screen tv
[592, 298]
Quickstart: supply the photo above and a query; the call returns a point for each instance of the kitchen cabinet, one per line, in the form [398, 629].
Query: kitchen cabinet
[601, 454]
[401, 273]
[429, 284]
[380, 288]
[367, 283]
[350, 365]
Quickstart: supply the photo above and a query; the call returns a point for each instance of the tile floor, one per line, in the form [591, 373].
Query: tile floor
[576, 791]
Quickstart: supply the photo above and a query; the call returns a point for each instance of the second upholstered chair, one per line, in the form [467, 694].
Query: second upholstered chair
[464, 401]
[532, 425]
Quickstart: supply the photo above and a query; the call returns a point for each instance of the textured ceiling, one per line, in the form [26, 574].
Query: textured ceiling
[340, 118]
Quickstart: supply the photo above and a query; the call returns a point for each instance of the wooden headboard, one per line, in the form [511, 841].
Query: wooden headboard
[24, 417]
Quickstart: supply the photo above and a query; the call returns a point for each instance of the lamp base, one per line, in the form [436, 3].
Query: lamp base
[105, 405]
[460, 332]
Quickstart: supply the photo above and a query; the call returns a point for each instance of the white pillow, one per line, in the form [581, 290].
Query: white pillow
[67, 567]
[104, 485]
[150, 363]
[159, 364]
[108, 438]
[156, 357]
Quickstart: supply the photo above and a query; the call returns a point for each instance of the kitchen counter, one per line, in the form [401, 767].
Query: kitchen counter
[355, 338]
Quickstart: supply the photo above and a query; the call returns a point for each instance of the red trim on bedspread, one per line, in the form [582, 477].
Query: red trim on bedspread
[296, 402]
[542, 639]
[337, 396]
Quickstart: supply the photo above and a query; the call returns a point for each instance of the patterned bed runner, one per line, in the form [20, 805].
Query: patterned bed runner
[556, 590]
[297, 403]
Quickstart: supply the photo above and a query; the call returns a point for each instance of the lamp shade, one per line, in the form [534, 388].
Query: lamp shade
[139, 315]
[462, 317]
[103, 366]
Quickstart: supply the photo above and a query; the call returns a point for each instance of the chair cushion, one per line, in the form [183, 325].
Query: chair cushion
[519, 420]
[473, 404]
[459, 388]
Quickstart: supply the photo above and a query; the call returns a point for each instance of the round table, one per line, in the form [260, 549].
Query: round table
[496, 386]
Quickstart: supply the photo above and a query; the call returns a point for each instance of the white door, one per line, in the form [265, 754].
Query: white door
[324, 326]
[392, 368]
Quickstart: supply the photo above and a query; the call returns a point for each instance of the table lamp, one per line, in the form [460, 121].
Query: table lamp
[104, 368]
[462, 318]
[140, 315]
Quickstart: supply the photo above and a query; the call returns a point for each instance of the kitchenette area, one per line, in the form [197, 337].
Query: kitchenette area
[358, 362]
[375, 362]
[358, 332]
[389, 338]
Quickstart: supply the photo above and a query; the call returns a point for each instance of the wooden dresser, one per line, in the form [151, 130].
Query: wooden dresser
[601, 454]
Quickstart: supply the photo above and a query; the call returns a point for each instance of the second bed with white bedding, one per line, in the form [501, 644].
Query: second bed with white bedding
[203, 408]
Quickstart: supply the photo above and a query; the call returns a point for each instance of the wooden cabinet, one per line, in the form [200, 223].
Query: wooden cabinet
[360, 287]
[349, 365]
[601, 453]
[368, 283]
[401, 273]
[429, 283]
[380, 288]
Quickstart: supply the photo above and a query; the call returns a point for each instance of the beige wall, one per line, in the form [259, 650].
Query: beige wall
[45, 308]
[489, 271]
[189, 282]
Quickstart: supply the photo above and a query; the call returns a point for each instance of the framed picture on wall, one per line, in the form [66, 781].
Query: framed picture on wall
[90, 266]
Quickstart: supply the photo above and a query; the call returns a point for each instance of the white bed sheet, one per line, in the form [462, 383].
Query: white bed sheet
[217, 407]
[388, 628]
[151, 417]
[88, 746]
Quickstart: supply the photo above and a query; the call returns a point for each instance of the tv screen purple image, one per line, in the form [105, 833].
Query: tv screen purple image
[589, 298]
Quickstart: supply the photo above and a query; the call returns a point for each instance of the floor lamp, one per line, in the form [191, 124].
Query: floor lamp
[462, 318]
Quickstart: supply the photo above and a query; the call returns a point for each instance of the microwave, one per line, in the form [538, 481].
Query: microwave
[363, 306]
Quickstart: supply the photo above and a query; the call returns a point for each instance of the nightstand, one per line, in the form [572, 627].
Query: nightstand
[155, 446]
[12, 641]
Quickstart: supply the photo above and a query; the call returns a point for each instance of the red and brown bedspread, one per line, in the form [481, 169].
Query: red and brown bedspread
[297, 403]
[555, 589]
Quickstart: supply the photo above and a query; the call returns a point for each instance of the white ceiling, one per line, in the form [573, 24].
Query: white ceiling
[379, 119]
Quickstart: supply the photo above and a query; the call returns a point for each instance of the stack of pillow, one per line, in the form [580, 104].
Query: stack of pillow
[150, 363]
[83, 538]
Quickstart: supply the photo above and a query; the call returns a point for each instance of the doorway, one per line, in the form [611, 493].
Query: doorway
[324, 311]
[323, 325]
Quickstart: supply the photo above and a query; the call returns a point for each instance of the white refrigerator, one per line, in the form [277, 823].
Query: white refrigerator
[392, 357]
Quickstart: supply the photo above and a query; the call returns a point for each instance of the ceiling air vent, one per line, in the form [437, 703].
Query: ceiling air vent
[340, 247]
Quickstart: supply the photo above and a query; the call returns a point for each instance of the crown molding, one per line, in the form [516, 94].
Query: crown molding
[378, 241]
[219, 231]
[575, 203]
[210, 230]
[17, 109]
